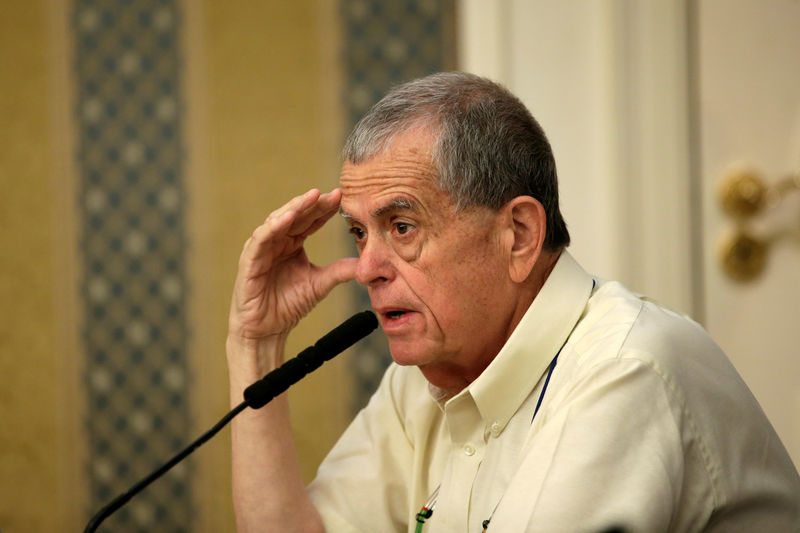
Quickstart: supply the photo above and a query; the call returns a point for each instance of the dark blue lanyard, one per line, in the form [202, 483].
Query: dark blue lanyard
[544, 388]
[550, 372]
[485, 523]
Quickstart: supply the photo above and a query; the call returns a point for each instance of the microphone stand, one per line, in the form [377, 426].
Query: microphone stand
[123, 498]
[259, 394]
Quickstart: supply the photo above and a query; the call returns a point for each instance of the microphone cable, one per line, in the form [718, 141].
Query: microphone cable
[257, 395]
[123, 498]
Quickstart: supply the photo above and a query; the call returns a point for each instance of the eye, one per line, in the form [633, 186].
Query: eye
[357, 232]
[402, 228]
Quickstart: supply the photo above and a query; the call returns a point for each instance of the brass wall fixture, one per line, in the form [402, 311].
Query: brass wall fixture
[746, 198]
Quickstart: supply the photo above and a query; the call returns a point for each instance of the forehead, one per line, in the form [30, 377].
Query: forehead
[404, 170]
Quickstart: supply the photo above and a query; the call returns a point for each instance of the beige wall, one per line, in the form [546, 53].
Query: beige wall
[261, 95]
[37, 403]
[263, 98]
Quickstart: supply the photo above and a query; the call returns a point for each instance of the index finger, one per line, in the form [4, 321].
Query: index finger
[316, 214]
[297, 204]
[317, 224]
[294, 221]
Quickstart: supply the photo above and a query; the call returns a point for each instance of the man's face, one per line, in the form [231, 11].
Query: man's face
[438, 279]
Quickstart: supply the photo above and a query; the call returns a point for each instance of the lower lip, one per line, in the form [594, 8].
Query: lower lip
[391, 325]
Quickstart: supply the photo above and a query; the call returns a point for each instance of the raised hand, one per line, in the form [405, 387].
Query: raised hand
[276, 284]
[275, 287]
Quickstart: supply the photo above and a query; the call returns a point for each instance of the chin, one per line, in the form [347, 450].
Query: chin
[430, 363]
[403, 358]
[405, 354]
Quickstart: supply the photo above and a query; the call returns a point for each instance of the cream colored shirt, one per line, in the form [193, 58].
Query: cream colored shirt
[644, 425]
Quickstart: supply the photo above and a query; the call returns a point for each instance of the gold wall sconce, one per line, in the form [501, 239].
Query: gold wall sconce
[746, 198]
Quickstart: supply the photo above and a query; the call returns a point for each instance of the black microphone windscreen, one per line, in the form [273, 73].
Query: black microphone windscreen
[336, 341]
[348, 333]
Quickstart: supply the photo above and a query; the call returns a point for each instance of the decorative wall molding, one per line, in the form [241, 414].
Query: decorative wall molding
[130, 153]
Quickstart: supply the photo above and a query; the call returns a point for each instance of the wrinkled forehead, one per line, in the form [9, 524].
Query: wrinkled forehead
[406, 163]
[374, 185]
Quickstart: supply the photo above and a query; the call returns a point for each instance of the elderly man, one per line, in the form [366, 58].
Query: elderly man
[525, 394]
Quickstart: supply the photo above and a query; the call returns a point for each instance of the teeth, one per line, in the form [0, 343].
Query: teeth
[395, 314]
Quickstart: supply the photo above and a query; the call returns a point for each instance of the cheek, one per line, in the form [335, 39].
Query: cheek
[481, 275]
[408, 252]
[457, 276]
[460, 285]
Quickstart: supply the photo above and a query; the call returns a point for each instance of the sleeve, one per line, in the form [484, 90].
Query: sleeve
[361, 486]
[608, 456]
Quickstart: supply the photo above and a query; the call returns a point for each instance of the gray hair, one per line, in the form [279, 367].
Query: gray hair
[489, 148]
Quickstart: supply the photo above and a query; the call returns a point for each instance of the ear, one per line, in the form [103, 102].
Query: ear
[528, 223]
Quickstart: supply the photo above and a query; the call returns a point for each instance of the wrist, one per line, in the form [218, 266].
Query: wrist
[251, 359]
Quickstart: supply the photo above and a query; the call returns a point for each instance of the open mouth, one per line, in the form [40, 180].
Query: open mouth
[395, 314]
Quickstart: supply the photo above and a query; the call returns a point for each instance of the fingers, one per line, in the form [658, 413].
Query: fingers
[266, 241]
[285, 229]
[298, 203]
[312, 215]
[317, 224]
[328, 277]
[280, 220]
[295, 218]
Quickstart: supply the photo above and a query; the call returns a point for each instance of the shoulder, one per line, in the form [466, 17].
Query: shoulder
[620, 324]
[621, 331]
[635, 355]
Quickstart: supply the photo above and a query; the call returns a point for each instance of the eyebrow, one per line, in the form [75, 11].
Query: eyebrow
[396, 204]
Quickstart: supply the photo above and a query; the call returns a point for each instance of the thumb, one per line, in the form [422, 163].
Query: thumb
[327, 277]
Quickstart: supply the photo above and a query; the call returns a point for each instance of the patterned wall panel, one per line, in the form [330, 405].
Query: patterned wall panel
[127, 67]
[386, 43]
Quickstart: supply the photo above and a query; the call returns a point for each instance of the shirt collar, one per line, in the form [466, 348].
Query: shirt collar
[511, 376]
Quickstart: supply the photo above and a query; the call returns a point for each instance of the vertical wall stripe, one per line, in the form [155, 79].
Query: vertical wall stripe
[37, 412]
[72, 493]
[131, 203]
[386, 43]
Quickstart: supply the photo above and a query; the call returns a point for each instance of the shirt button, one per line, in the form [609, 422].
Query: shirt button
[469, 449]
[495, 427]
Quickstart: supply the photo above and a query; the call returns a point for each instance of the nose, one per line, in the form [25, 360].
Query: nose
[374, 263]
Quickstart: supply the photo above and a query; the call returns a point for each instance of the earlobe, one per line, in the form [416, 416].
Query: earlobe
[529, 224]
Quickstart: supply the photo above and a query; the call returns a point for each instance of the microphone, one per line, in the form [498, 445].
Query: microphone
[259, 394]
[336, 341]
